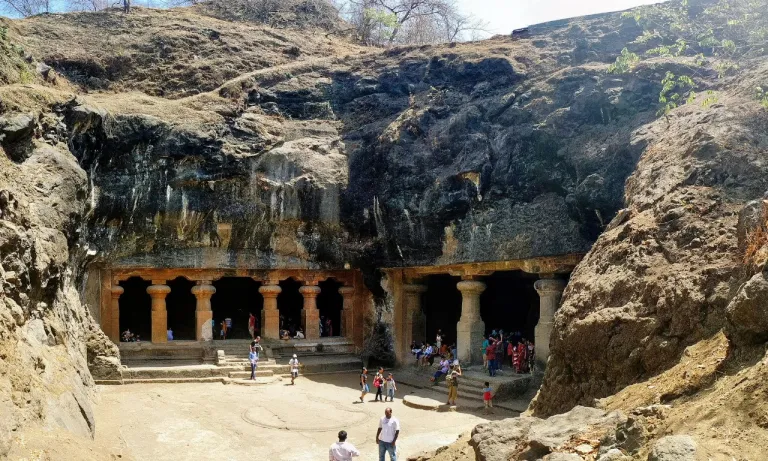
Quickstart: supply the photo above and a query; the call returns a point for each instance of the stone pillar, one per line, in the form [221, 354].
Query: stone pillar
[550, 291]
[270, 316]
[310, 316]
[203, 313]
[414, 317]
[347, 311]
[471, 329]
[113, 316]
[158, 292]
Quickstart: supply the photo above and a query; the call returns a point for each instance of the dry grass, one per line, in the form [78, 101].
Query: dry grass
[757, 241]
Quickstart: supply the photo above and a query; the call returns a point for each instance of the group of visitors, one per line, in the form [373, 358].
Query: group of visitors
[386, 439]
[514, 349]
[427, 353]
[129, 337]
[380, 383]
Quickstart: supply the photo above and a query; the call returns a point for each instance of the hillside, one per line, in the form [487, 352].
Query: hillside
[172, 138]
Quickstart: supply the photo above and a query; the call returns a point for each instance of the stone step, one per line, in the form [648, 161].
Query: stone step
[247, 374]
[222, 379]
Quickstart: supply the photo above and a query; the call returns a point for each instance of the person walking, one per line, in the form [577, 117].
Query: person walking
[294, 364]
[253, 356]
[342, 450]
[378, 383]
[391, 387]
[363, 384]
[387, 434]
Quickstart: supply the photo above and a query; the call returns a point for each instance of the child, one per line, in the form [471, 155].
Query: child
[391, 388]
[488, 398]
[294, 364]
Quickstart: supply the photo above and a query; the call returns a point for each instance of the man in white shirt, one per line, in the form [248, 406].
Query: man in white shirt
[386, 436]
[294, 364]
[342, 450]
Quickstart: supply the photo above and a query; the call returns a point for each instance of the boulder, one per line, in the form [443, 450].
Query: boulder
[747, 312]
[674, 448]
[614, 454]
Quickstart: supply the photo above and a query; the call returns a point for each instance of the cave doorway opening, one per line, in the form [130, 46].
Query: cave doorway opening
[330, 303]
[136, 308]
[289, 303]
[180, 305]
[442, 307]
[235, 299]
[510, 303]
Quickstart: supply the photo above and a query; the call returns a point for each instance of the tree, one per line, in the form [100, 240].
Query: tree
[25, 8]
[386, 22]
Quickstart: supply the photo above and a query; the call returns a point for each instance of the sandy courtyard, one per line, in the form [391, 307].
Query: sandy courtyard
[267, 422]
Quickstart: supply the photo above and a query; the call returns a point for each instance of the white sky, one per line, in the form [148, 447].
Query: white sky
[503, 16]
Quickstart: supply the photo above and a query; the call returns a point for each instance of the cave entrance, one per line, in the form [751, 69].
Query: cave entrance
[289, 303]
[180, 305]
[510, 303]
[235, 299]
[330, 303]
[442, 307]
[136, 308]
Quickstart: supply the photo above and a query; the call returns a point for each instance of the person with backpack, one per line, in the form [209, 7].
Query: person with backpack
[378, 383]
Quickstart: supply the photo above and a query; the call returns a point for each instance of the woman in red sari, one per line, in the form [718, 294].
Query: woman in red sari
[521, 352]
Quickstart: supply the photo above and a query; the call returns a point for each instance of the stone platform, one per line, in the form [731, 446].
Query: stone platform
[425, 403]
[227, 361]
[511, 392]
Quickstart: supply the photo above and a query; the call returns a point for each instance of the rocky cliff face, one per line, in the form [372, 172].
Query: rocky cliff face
[404, 157]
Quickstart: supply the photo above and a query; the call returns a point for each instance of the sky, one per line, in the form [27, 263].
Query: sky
[503, 16]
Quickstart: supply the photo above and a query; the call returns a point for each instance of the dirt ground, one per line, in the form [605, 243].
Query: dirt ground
[271, 422]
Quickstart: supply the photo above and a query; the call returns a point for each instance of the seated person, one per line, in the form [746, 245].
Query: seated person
[442, 369]
[444, 349]
[169, 334]
[284, 334]
[299, 334]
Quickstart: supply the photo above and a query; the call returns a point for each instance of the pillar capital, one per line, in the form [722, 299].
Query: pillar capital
[549, 286]
[346, 291]
[158, 291]
[203, 291]
[414, 288]
[309, 291]
[116, 291]
[270, 291]
[469, 287]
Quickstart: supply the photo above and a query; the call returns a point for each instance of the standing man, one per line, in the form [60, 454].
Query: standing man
[342, 450]
[251, 324]
[386, 436]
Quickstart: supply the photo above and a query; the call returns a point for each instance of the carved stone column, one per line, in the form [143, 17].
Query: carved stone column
[310, 316]
[550, 291]
[414, 317]
[113, 317]
[158, 292]
[203, 313]
[270, 316]
[471, 329]
[347, 311]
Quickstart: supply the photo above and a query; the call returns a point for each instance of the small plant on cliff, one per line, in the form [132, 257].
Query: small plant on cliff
[762, 96]
[675, 90]
[624, 62]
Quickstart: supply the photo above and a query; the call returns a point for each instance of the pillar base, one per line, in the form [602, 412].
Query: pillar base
[310, 322]
[204, 320]
[159, 326]
[469, 341]
[270, 323]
